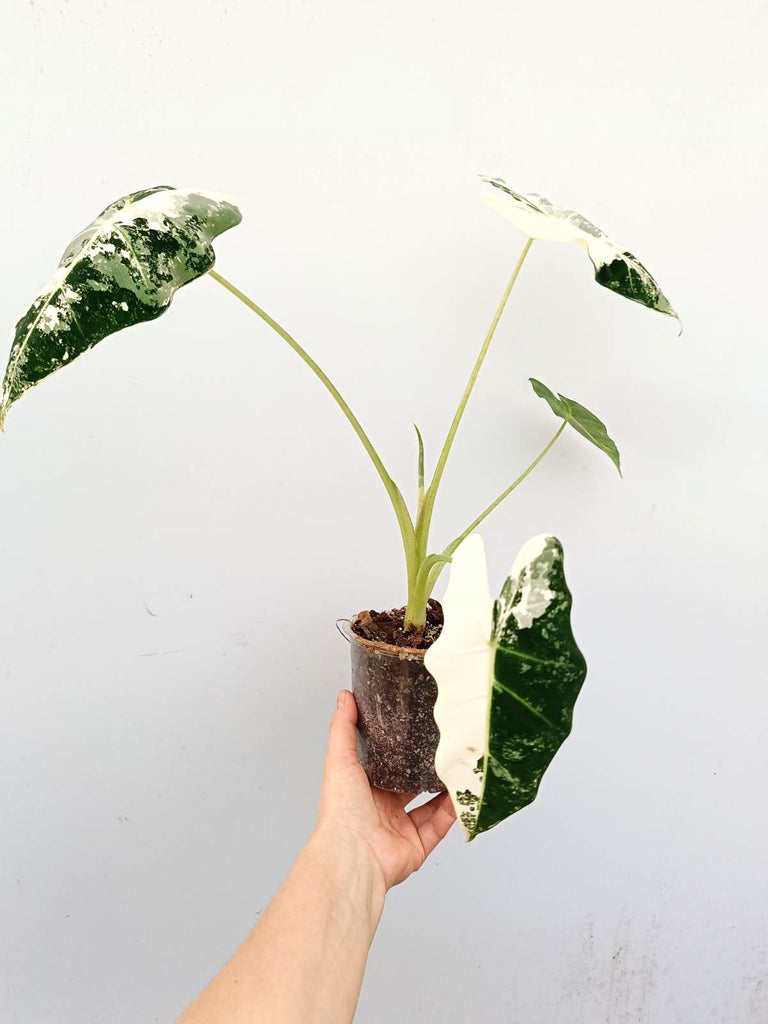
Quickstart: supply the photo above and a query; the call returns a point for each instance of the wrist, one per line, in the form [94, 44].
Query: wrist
[348, 863]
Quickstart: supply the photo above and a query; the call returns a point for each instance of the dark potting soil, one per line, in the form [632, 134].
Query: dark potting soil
[387, 627]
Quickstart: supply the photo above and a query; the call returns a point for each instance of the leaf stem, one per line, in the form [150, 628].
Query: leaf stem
[426, 568]
[398, 502]
[447, 554]
[424, 520]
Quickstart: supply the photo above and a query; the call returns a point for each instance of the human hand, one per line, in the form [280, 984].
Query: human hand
[354, 812]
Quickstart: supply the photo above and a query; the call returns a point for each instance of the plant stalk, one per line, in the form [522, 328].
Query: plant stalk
[424, 520]
[440, 561]
[415, 613]
[398, 502]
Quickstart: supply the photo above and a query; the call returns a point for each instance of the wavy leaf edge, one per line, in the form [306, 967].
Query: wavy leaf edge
[615, 268]
[503, 711]
[122, 269]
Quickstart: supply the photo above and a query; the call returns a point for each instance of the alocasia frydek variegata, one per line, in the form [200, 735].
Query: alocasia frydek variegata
[526, 670]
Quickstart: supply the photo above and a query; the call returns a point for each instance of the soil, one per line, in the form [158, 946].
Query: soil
[387, 627]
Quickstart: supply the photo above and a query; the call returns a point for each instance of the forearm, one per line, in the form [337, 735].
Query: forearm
[303, 963]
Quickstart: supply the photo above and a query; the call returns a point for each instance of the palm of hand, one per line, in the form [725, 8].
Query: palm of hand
[399, 841]
[380, 818]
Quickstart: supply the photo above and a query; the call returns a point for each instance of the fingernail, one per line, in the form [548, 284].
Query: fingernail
[341, 698]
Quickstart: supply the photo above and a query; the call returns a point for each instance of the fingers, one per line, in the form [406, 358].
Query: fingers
[342, 736]
[433, 820]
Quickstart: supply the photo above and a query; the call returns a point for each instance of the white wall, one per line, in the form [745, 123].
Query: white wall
[185, 513]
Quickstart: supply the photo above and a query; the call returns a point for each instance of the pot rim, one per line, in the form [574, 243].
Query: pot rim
[344, 627]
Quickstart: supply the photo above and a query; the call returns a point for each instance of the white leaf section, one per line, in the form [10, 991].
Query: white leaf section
[536, 217]
[534, 595]
[461, 662]
[615, 268]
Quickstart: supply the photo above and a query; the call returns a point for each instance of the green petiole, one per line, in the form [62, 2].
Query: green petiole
[423, 570]
[398, 502]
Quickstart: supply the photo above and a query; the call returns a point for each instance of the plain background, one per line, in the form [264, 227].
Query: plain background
[186, 513]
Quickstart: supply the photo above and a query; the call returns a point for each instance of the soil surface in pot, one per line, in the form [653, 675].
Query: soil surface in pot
[387, 627]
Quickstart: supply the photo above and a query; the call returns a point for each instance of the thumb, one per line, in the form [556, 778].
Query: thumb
[342, 734]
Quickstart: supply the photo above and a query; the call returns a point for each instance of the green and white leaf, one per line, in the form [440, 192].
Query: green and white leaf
[508, 674]
[121, 270]
[615, 268]
[581, 419]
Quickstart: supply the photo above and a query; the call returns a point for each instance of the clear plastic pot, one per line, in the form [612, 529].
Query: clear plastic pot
[397, 734]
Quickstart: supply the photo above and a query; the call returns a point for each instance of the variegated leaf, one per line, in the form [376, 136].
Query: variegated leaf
[615, 268]
[581, 419]
[123, 269]
[508, 674]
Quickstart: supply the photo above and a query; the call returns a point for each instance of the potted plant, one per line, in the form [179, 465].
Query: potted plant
[475, 696]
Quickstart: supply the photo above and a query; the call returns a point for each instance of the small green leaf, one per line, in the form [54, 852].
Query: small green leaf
[615, 268]
[121, 270]
[508, 674]
[581, 419]
[543, 391]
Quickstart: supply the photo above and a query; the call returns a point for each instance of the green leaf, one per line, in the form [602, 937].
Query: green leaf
[581, 419]
[508, 674]
[121, 270]
[615, 268]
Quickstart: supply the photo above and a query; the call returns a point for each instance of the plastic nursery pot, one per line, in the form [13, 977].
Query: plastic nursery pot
[395, 696]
